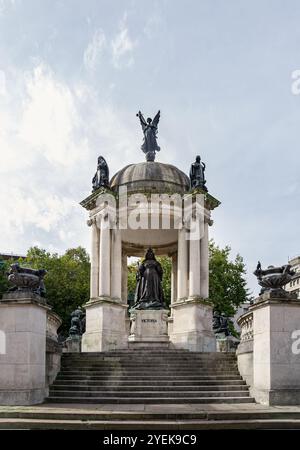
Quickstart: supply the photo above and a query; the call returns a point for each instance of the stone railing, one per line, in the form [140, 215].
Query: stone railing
[53, 348]
[245, 322]
[53, 323]
[245, 349]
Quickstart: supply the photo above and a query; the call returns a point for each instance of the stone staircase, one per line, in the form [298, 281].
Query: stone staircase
[149, 377]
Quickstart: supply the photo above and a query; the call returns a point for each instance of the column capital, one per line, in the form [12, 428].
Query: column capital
[91, 221]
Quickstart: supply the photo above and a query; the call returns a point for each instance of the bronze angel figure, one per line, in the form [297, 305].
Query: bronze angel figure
[149, 127]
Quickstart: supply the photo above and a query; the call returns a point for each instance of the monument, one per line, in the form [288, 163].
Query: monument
[23, 320]
[151, 209]
[268, 355]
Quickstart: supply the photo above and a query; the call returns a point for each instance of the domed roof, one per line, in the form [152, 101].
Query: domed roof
[151, 177]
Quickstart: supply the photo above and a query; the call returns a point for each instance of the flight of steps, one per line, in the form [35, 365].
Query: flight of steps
[149, 377]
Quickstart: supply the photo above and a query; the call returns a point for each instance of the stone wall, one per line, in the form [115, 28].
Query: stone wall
[53, 348]
[245, 348]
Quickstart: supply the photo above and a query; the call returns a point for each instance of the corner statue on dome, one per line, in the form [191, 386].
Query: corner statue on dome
[197, 176]
[149, 293]
[149, 128]
[101, 177]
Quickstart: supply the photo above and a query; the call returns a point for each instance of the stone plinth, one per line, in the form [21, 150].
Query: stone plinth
[105, 326]
[72, 344]
[149, 328]
[276, 350]
[23, 321]
[226, 344]
[192, 326]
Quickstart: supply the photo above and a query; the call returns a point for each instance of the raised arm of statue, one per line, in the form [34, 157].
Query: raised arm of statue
[142, 120]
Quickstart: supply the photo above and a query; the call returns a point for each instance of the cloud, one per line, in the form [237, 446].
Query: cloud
[2, 83]
[50, 118]
[50, 136]
[123, 46]
[94, 50]
[5, 5]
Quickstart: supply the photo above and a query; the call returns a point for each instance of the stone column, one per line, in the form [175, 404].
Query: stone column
[23, 322]
[174, 278]
[94, 258]
[194, 269]
[192, 316]
[124, 279]
[276, 350]
[104, 259]
[182, 274]
[116, 265]
[204, 263]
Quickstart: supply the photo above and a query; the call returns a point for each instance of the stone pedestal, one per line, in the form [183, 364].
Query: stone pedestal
[276, 351]
[72, 344]
[23, 320]
[149, 328]
[105, 326]
[192, 326]
[227, 344]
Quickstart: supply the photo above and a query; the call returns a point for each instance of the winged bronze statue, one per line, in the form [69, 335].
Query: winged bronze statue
[149, 127]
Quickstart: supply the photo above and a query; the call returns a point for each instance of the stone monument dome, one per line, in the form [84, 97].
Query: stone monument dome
[154, 177]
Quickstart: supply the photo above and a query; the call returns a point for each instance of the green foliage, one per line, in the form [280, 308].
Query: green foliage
[4, 266]
[166, 264]
[227, 284]
[67, 280]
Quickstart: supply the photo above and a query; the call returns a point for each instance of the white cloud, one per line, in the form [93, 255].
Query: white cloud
[51, 134]
[122, 46]
[5, 5]
[50, 118]
[2, 83]
[94, 50]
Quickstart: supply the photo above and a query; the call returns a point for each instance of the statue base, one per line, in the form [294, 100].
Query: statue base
[23, 325]
[105, 326]
[149, 328]
[226, 343]
[192, 325]
[72, 344]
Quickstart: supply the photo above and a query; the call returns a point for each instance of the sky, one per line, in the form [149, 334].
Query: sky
[74, 73]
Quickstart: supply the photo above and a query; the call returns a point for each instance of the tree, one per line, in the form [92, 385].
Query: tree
[227, 283]
[67, 281]
[4, 266]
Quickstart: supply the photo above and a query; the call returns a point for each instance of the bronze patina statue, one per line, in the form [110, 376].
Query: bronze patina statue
[197, 177]
[149, 127]
[273, 279]
[101, 177]
[26, 279]
[149, 292]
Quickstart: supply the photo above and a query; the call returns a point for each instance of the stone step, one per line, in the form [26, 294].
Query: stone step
[136, 355]
[243, 413]
[147, 351]
[148, 377]
[149, 400]
[140, 373]
[184, 367]
[150, 360]
[165, 388]
[108, 382]
[146, 394]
